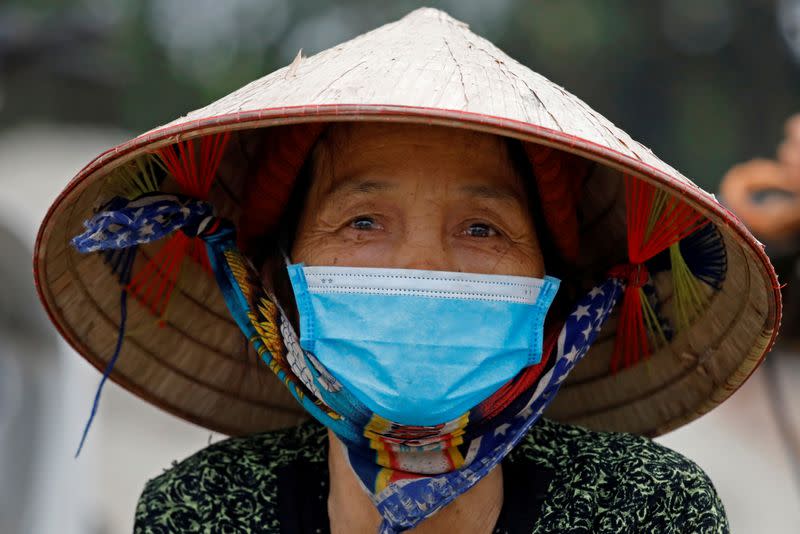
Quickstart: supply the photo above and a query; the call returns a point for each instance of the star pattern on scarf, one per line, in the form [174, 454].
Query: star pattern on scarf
[124, 223]
[582, 325]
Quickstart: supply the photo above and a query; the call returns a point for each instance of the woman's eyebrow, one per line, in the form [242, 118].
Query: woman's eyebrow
[500, 192]
[359, 185]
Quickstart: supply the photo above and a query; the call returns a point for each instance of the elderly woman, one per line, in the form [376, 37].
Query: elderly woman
[419, 239]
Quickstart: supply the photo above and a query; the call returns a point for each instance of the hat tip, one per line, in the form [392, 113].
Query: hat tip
[291, 72]
[432, 12]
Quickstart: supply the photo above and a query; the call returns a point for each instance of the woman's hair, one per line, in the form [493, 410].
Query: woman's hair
[271, 256]
[554, 264]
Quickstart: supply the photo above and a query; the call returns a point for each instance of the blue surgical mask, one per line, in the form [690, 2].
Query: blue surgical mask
[420, 347]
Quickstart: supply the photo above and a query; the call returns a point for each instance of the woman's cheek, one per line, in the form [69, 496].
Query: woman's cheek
[314, 248]
[500, 258]
[343, 249]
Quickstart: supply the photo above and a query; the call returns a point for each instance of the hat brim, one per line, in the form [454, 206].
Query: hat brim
[197, 366]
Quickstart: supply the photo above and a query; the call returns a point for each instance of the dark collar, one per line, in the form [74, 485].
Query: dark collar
[303, 496]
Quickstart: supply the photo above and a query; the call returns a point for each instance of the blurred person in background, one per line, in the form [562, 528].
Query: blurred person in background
[397, 231]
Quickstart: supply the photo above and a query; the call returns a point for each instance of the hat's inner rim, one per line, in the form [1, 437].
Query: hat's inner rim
[226, 189]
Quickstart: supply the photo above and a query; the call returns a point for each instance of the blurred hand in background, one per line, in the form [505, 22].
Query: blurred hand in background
[765, 193]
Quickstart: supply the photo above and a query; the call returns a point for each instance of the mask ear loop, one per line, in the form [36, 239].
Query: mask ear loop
[287, 261]
[283, 246]
[284, 242]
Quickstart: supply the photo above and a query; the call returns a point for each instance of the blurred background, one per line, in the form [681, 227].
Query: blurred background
[706, 85]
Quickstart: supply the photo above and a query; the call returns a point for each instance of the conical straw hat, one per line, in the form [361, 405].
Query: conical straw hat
[425, 68]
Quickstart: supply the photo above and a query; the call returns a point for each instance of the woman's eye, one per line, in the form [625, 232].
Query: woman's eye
[480, 230]
[364, 223]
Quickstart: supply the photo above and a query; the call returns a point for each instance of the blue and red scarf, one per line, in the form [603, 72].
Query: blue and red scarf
[409, 471]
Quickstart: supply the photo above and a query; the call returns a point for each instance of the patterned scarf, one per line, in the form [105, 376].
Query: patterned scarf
[410, 472]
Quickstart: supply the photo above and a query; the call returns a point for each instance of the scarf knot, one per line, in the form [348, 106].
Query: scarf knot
[124, 223]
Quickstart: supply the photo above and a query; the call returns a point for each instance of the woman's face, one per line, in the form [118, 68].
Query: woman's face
[416, 197]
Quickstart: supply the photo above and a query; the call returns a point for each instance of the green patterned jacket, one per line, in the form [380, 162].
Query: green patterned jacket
[590, 482]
